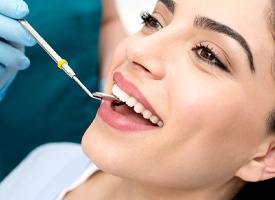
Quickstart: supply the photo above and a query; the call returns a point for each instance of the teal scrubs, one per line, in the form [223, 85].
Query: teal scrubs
[43, 104]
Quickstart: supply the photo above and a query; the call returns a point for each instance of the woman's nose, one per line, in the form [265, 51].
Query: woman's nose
[149, 54]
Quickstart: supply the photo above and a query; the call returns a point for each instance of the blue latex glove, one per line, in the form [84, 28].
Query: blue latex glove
[13, 38]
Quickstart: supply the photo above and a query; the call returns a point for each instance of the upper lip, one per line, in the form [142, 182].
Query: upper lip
[133, 91]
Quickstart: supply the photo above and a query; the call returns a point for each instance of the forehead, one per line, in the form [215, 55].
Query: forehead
[253, 11]
[222, 7]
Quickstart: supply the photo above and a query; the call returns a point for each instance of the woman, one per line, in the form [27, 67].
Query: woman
[205, 79]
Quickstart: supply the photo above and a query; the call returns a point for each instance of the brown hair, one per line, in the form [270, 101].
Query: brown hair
[271, 18]
[265, 189]
[271, 24]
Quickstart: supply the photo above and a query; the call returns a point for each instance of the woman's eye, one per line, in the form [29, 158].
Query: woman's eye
[207, 55]
[150, 21]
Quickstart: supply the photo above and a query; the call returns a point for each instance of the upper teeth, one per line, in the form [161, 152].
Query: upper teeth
[138, 107]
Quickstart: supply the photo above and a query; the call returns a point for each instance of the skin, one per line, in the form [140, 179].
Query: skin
[215, 134]
[109, 39]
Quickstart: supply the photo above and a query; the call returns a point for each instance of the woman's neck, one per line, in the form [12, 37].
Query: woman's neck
[104, 186]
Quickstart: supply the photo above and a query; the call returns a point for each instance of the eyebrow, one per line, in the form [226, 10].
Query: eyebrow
[210, 24]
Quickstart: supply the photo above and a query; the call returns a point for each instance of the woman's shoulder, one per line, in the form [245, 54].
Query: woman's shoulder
[50, 167]
[52, 155]
[52, 151]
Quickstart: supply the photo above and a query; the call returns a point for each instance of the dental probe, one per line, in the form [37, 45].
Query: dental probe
[63, 64]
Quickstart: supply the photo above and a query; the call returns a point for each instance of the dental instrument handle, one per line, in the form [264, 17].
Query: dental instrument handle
[61, 63]
[64, 66]
[40, 40]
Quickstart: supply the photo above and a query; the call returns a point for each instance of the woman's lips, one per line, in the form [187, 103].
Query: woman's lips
[131, 107]
[122, 117]
[119, 121]
[133, 91]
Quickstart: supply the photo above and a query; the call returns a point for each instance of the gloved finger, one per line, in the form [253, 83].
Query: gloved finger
[12, 57]
[16, 9]
[11, 30]
[6, 77]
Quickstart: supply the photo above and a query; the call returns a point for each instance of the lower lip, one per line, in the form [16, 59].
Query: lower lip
[118, 121]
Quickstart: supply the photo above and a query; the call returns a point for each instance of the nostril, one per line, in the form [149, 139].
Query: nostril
[140, 66]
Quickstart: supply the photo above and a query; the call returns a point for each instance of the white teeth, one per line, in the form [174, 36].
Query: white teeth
[123, 96]
[131, 102]
[160, 123]
[138, 107]
[147, 114]
[116, 90]
[154, 119]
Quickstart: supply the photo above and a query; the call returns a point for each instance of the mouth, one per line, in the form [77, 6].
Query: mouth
[130, 107]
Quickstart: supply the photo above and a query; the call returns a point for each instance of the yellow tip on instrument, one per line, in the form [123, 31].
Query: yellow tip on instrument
[61, 62]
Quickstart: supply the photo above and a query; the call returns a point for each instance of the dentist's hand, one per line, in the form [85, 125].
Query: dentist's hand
[13, 38]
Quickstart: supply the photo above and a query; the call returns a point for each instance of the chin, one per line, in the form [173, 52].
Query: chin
[99, 148]
[92, 143]
[107, 152]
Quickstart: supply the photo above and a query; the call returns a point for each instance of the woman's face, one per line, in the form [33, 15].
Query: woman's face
[203, 68]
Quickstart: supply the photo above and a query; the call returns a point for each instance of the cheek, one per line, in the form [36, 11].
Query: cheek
[208, 116]
[209, 129]
[208, 107]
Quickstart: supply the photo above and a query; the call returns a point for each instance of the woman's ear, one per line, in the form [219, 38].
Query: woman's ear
[259, 169]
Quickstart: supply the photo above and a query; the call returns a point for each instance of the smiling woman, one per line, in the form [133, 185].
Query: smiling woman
[195, 119]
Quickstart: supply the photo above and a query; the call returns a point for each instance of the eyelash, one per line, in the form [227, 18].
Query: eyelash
[212, 57]
[151, 22]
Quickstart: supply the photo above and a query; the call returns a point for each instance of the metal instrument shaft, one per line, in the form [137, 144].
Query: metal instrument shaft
[63, 64]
